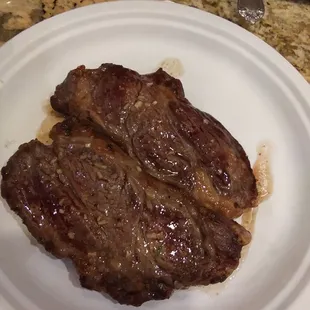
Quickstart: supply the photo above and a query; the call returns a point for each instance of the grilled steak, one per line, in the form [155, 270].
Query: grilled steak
[128, 234]
[149, 117]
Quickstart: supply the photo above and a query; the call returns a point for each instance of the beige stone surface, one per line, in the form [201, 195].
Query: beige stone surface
[18, 15]
[286, 26]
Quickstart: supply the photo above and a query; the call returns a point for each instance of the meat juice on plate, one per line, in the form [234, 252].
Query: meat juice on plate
[262, 172]
[172, 66]
[263, 175]
[51, 118]
[264, 181]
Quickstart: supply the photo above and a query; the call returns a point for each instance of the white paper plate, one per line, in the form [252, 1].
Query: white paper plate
[229, 73]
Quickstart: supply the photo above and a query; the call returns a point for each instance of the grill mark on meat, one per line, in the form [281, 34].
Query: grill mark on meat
[151, 240]
[173, 141]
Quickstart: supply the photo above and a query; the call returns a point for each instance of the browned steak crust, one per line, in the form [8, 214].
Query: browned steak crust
[149, 117]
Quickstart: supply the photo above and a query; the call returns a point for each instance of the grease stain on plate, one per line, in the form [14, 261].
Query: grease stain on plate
[262, 172]
[264, 183]
[9, 143]
[172, 66]
[51, 118]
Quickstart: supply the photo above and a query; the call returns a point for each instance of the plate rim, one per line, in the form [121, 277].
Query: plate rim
[285, 72]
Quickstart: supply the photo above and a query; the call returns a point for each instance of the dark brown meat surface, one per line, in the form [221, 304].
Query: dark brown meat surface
[149, 117]
[128, 234]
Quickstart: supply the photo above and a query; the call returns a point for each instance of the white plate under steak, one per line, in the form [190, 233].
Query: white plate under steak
[229, 73]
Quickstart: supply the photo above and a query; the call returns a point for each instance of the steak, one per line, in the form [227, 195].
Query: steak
[128, 234]
[150, 118]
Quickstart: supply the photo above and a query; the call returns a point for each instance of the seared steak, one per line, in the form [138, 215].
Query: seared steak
[149, 117]
[128, 234]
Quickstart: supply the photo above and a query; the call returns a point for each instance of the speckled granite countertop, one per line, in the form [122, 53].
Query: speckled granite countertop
[286, 25]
